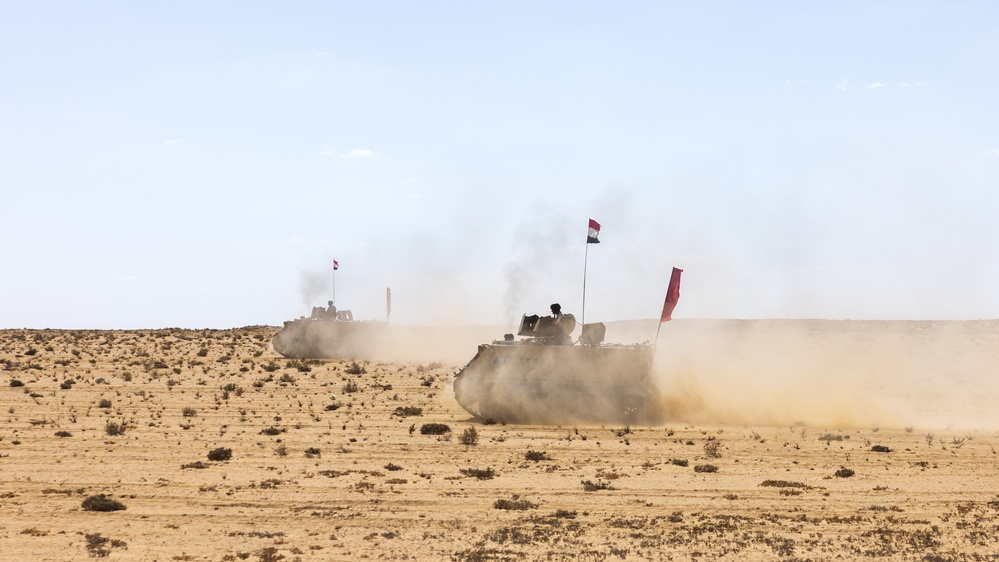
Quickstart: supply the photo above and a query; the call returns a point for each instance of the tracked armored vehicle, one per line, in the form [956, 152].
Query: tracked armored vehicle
[335, 335]
[546, 378]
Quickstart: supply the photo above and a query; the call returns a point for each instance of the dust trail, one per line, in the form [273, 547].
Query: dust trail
[829, 373]
[835, 374]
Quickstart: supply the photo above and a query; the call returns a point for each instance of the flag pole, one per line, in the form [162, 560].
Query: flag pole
[582, 314]
[333, 296]
[592, 232]
[388, 303]
[660, 327]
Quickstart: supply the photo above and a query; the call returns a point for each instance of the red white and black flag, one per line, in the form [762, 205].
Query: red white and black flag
[592, 235]
[672, 295]
[336, 265]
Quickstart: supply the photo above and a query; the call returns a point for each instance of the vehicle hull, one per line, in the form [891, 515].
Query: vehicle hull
[321, 339]
[525, 382]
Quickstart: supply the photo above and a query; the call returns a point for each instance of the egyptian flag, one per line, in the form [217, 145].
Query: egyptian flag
[593, 233]
[672, 295]
[336, 265]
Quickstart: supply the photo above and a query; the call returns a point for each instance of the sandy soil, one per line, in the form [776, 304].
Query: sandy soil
[792, 441]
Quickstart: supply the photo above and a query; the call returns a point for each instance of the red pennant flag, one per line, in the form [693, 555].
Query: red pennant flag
[336, 265]
[672, 295]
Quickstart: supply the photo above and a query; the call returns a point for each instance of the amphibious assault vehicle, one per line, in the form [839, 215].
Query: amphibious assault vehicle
[546, 378]
[333, 335]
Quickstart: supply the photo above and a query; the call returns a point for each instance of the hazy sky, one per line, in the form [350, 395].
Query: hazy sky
[200, 164]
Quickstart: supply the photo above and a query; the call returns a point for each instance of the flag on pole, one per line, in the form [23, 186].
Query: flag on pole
[672, 295]
[593, 233]
[336, 265]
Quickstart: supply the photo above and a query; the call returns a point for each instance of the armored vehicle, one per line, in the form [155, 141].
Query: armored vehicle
[546, 378]
[331, 335]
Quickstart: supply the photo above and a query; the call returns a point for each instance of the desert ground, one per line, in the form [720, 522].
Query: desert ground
[776, 440]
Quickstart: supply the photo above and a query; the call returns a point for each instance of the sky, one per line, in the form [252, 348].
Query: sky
[200, 164]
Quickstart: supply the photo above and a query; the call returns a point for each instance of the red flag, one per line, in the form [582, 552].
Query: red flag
[336, 265]
[672, 295]
[593, 233]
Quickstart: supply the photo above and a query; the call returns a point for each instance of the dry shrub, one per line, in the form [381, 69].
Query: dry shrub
[404, 411]
[480, 473]
[537, 456]
[100, 547]
[470, 436]
[711, 448]
[784, 484]
[844, 472]
[220, 454]
[101, 502]
[269, 554]
[515, 504]
[115, 428]
[434, 429]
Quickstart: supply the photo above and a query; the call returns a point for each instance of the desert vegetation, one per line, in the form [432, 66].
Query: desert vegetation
[167, 442]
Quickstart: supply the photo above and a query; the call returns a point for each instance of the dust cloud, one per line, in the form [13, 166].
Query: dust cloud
[920, 374]
[821, 373]
[373, 340]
